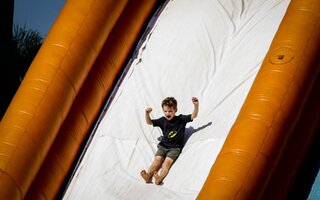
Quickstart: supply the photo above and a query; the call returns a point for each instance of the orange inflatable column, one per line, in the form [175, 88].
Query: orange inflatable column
[281, 185]
[273, 106]
[36, 113]
[90, 100]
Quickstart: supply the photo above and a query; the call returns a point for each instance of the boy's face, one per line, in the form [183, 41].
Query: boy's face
[169, 112]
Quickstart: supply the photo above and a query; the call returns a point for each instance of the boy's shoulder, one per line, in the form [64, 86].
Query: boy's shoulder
[184, 117]
[160, 119]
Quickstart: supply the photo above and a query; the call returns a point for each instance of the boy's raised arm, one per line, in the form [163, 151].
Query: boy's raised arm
[148, 118]
[195, 102]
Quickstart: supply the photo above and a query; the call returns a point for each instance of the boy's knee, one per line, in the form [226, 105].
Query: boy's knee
[158, 160]
[167, 163]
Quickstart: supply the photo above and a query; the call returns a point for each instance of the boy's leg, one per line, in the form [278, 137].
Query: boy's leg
[164, 171]
[154, 167]
[172, 155]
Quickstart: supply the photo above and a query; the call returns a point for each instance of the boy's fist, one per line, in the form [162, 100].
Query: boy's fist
[195, 100]
[148, 110]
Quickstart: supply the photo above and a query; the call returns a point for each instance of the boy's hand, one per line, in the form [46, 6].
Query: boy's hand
[148, 119]
[148, 110]
[195, 101]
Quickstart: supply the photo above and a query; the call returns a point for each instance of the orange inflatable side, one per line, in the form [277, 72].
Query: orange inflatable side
[42, 102]
[270, 114]
[282, 183]
[90, 100]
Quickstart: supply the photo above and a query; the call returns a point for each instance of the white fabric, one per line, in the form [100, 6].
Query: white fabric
[211, 49]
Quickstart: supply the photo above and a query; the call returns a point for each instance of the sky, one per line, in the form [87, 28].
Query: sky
[38, 15]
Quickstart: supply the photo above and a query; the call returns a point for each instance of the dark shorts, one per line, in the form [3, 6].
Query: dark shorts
[172, 153]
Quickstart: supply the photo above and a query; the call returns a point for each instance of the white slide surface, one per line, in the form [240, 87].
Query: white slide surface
[210, 49]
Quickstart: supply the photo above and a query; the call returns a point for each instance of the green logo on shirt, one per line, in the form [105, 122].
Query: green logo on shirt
[172, 134]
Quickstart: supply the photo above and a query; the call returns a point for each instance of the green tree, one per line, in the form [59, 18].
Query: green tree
[27, 43]
[18, 46]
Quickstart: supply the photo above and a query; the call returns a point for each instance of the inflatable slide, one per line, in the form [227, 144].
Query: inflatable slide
[76, 127]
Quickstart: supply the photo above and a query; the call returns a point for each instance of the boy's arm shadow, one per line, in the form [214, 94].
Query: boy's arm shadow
[190, 131]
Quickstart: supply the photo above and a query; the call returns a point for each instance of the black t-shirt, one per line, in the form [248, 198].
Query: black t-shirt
[172, 130]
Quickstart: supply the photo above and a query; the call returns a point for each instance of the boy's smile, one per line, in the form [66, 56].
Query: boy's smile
[169, 112]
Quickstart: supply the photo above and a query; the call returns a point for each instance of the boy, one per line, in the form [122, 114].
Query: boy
[169, 148]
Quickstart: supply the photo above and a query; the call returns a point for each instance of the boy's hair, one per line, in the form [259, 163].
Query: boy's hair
[170, 102]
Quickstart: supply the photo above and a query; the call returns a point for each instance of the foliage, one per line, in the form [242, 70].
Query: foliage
[26, 43]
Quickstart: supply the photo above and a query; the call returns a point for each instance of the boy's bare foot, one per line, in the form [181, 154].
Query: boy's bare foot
[146, 176]
[157, 179]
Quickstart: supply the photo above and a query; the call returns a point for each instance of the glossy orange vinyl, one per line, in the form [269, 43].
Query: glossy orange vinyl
[42, 102]
[249, 160]
[90, 100]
